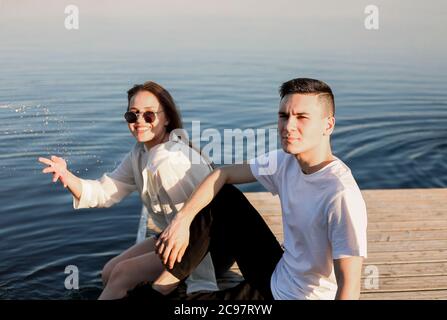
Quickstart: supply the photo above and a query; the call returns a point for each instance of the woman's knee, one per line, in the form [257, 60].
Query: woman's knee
[119, 273]
[146, 246]
[107, 270]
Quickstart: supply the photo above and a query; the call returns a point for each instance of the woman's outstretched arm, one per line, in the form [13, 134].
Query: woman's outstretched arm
[111, 188]
[58, 167]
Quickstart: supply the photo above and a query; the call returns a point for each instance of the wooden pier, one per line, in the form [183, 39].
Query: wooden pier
[407, 242]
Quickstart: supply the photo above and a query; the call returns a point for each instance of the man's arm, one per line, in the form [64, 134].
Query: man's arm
[348, 272]
[211, 185]
[174, 240]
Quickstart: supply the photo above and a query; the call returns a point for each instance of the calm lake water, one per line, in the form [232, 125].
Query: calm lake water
[391, 130]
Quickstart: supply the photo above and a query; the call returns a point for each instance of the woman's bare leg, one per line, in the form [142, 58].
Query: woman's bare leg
[165, 283]
[128, 273]
[146, 246]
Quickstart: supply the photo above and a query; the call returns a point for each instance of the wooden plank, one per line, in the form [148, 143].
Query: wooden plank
[390, 236]
[415, 269]
[409, 295]
[392, 216]
[406, 256]
[416, 245]
[409, 283]
[407, 225]
[416, 194]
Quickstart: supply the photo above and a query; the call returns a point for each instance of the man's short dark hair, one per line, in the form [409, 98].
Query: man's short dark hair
[310, 86]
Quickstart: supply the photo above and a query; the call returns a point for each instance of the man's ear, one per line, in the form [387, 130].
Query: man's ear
[330, 126]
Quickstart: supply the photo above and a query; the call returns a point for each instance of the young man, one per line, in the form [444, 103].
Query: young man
[324, 214]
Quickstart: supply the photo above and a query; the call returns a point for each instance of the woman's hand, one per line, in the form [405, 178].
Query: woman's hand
[58, 167]
[173, 241]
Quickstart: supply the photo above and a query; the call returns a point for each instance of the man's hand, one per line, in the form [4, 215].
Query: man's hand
[173, 241]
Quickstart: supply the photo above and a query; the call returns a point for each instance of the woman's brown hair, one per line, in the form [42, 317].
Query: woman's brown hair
[165, 99]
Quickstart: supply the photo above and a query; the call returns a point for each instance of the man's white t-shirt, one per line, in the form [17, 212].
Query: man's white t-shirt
[324, 218]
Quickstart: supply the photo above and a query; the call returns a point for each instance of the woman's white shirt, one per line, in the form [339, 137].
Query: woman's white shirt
[165, 176]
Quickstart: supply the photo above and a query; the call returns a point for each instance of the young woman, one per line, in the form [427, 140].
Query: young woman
[161, 171]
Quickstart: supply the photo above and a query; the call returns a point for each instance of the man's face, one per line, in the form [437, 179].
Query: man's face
[302, 123]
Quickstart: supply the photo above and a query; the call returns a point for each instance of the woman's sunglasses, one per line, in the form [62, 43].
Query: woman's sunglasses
[148, 116]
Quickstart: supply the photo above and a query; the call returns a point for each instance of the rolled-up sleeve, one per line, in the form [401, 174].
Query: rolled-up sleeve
[110, 189]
